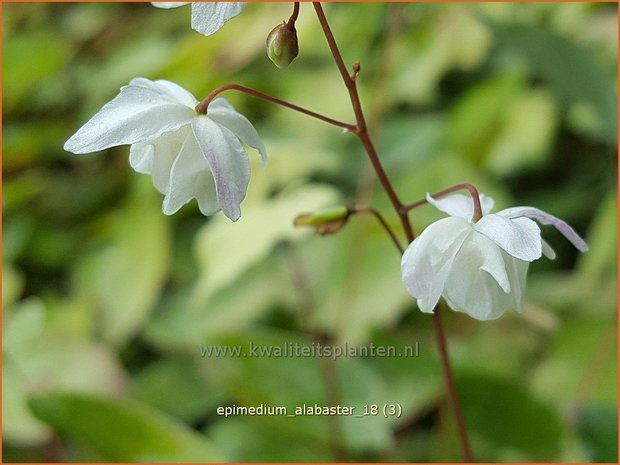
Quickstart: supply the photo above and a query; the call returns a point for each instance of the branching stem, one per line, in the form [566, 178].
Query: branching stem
[403, 213]
[362, 130]
[381, 220]
[204, 105]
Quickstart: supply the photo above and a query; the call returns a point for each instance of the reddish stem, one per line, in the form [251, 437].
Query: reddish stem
[362, 130]
[381, 220]
[202, 107]
[402, 211]
[469, 187]
[451, 385]
[291, 21]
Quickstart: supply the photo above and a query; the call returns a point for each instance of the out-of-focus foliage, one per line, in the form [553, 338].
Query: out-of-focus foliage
[107, 302]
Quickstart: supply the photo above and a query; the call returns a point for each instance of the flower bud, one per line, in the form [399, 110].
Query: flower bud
[325, 222]
[282, 45]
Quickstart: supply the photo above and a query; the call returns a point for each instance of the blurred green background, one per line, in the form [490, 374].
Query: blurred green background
[106, 301]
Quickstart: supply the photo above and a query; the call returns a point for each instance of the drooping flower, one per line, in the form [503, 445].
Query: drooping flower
[478, 268]
[208, 17]
[189, 155]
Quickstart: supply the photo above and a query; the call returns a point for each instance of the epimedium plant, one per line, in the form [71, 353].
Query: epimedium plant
[476, 260]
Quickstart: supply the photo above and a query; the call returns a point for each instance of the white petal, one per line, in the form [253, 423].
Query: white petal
[519, 237]
[225, 115]
[190, 178]
[168, 4]
[137, 114]
[209, 17]
[141, 157]
[488, 303]
[460, 205]
[454, 205]
[489, 258]
[206, 194]
[545, 218]
[156, 158]
[175, 92]
[486, 204]
[479, 284]
[427, 261]
[517, 275]
[228, 163]
[221, 104]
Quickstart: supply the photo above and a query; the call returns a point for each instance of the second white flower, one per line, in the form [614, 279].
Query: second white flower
[478, 268]
[189, 155]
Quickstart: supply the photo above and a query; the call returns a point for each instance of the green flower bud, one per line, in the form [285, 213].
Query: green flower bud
[282, 45]
[328, 221]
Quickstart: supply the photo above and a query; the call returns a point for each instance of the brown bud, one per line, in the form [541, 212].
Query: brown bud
[282, 47]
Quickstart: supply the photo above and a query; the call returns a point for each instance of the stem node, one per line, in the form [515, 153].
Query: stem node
[356, 70]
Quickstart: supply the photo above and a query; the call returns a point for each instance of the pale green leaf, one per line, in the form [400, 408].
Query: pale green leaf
[225, 250]
[574, 76]
[122, 430]
[264, 379]
[526, 137]
[123, 279]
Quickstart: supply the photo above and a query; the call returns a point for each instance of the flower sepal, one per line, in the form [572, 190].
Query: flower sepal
[328, 221]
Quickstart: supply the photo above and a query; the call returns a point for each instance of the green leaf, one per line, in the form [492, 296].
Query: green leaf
[20, 426]
[187, 319]
[28, 144]
[178, 387]
[226, 250]
[480, 115]
[400, 157]
[592, 288]
[12, 285]
[505, 414]
[51, 248]
[261, 443]
[123, 280]
[355, 277]
[23, 323]
[600, 261]
[264, 379]
[28, 60]
[412, 381]
[16, 233]
[143, 56]
[582, 360]
[574, 76]
[526, 137]
[18, 191]
[442, 40]
[598, 428]
[121, 430]
[35, 357]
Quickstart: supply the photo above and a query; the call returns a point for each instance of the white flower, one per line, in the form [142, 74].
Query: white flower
[208, 17]
[479, 268]
[189, 155]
